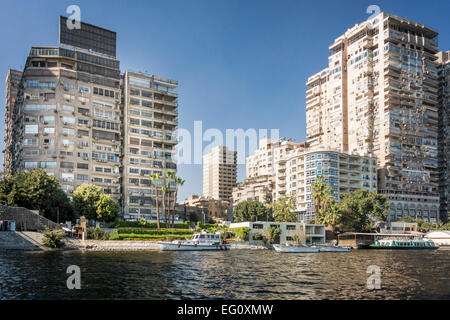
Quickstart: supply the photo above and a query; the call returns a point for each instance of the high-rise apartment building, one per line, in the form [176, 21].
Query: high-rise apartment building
[68, 119]
[294, 168]
[219, 173]
[444, 134]
[150, 118]
[379, 96]
[79, 119]
[12, 88]
[298, 170]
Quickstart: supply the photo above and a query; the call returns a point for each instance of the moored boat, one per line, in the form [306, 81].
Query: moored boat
[294, 249]
[199, 241]
[416, 244]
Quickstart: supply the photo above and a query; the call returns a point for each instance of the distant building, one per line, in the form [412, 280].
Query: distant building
[309, 233]
[378, 95]
[13, 80]
[219, 173]
[441, 238]
[211, 209]
[258, 188]
[400, 227]
[444, 135]
[298, 170]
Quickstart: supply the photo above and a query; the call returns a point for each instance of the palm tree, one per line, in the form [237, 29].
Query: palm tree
[178, 182]
[155, 178]
[321, 195]
[164, 191]
[170, 175]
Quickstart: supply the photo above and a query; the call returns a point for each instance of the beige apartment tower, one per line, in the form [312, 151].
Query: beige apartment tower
[378, 96]
[72, 113]
[219, 173]
[150, 116]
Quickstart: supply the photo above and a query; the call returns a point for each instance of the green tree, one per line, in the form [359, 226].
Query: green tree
[35, 190]
[155, 178]
[322, 196]
[178, 183]
[170, 176]
[332, 216]
[249, 211]
[164, 189]
[85, 200]
[360, 209]
[284, 209]
[273, 234]
[107, 209]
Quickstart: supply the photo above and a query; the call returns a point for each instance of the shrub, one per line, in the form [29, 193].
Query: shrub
[242, 233]
[53, 238]
[97, 234]
[257, 236]
[273, 233]
[150, 225]
[132, 236]
[114, 235]
[153, 231]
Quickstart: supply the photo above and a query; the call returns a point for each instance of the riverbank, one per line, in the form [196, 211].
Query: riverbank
[27, 241]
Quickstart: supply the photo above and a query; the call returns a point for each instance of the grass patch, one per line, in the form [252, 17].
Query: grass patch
[152, 237]
[160, 232]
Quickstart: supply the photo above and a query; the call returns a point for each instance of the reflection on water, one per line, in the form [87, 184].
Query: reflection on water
[236, 274]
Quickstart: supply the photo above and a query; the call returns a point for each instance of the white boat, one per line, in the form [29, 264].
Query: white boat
[200, 241]
[402, 244]
[332, 249]
[294, 249]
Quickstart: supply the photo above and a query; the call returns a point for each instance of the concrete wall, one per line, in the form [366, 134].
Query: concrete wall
[26, 219]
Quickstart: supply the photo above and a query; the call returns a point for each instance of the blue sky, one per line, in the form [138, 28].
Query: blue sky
[240, 64]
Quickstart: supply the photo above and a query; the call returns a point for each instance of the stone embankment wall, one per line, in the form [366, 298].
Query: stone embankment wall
[26, 219]
[27, 241]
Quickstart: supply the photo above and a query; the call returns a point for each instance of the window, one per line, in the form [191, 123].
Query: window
[37, 107]
[139, 82]
[83, 133]
[146, 123]
[68, 131]
[83, 89]
[69, 86]
[31, 164]
[48, 165]
[69, 120]
[82, 177]
[83, 122]
[82, 166]
[135, 92]
[48, 118]
[146, 103]
[68, 108]
[31, 129]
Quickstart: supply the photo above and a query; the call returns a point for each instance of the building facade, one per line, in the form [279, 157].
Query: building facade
[219, 173]
[68, 118]
[150, 118]
[307, 233]
[258, 188]
[379, 96]
[12, 84]
[78, 118]
[211, 209]
[297, 172]
[444, 134]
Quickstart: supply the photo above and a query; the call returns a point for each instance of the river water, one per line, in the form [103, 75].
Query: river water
[235, 274]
